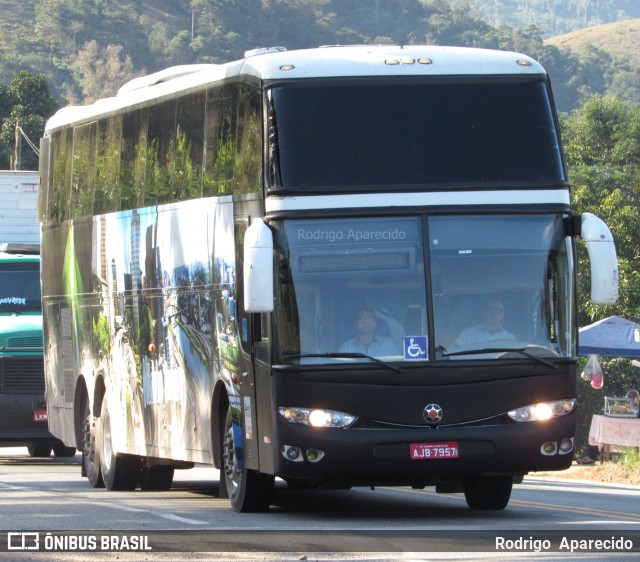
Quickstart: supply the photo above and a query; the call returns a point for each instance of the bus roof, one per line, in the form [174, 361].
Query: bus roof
[276, 63]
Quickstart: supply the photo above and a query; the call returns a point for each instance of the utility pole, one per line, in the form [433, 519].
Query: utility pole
[17, 147]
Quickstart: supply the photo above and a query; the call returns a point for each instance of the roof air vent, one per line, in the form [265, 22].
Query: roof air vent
[263, 51]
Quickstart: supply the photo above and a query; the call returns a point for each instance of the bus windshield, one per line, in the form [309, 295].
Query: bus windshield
[368, 135]
[358, 289]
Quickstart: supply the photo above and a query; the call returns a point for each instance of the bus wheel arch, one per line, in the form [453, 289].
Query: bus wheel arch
[219, 407]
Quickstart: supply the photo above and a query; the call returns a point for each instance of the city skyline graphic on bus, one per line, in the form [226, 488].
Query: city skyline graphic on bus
[166, 290]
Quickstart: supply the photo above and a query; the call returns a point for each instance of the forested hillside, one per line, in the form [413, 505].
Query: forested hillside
[554, 17]
[88, 49]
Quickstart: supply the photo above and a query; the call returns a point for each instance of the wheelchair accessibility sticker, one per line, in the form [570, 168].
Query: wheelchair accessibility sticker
[415, 347]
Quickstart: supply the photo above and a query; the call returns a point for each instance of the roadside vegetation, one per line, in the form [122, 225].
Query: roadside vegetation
[625, 471]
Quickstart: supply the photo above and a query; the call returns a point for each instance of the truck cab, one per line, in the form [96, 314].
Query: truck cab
[23, 409]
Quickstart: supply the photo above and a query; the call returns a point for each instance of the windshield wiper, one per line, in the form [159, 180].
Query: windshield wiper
[522, 350]
[345, 355]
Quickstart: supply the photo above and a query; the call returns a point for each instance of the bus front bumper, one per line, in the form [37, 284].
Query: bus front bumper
[387, 457]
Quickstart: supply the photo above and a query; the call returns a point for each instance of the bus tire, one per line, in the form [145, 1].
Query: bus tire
[156, 478]
[119, 471]
[39, 449]
[60, 450]
[249, 491]
[90, 453]
[488, 492]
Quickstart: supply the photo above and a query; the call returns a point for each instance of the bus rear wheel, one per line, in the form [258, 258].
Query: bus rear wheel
[119, 471]
[90, 454]
[249, 491]
[488, 492]
[60, 450]
[156, 478]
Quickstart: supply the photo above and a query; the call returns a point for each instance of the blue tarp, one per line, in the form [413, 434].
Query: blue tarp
[611, 337]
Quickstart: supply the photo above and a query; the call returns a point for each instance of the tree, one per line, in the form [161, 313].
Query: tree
[99, 73]
[602, 145]
[27, 103]
[602, 141]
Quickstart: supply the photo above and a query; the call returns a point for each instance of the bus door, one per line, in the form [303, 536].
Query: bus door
[254, 373]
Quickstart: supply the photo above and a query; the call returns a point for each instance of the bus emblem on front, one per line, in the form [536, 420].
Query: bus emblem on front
[432, 413]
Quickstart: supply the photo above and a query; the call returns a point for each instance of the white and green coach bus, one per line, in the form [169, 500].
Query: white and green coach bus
[210, 234]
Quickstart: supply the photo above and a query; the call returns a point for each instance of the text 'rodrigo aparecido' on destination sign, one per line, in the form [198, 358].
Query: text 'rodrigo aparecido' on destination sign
[350, 234]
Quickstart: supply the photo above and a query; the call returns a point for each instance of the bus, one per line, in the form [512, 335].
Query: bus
[211, 233]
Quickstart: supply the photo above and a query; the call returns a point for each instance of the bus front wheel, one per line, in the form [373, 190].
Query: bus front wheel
[119, 471]
[249, 491]
[488, 492]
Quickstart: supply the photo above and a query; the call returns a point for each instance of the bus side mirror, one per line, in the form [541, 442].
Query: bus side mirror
[258, 268]
[603, 258]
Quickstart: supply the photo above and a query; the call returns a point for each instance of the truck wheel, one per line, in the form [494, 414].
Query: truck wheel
[249, 491]
[39, 449]
[488, 492]
[119, 471]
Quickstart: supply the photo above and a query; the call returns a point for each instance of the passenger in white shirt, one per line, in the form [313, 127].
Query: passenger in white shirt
[366, 341]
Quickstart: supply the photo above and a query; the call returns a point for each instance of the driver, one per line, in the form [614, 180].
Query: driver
[489, 329]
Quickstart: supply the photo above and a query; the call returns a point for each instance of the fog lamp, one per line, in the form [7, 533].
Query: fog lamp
[549, 448]
[314, 455]
[566, 446]
[293, 454]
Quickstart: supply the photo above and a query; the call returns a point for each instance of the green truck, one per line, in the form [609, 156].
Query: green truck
[23, 409]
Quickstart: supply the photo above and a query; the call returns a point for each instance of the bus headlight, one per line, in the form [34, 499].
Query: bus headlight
[316, 417]
[543, 411]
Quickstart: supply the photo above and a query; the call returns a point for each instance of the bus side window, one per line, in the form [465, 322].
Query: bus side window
[190, 116]
[107, 195]
[160, 154]
[219, 164]
[134, 156]
[83, 180]
[62, 164]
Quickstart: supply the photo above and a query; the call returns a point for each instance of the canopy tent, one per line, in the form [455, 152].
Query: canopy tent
[611, 337]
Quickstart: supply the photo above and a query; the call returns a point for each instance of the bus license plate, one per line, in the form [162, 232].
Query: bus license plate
[428, 451]
[39, 415]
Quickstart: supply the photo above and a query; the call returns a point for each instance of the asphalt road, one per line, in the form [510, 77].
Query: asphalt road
[545, 518]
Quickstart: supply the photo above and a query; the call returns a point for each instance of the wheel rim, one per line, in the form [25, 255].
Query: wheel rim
[107, 448]
[231, 473]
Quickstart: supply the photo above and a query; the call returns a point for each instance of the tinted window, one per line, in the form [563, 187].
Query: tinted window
[382, 134]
